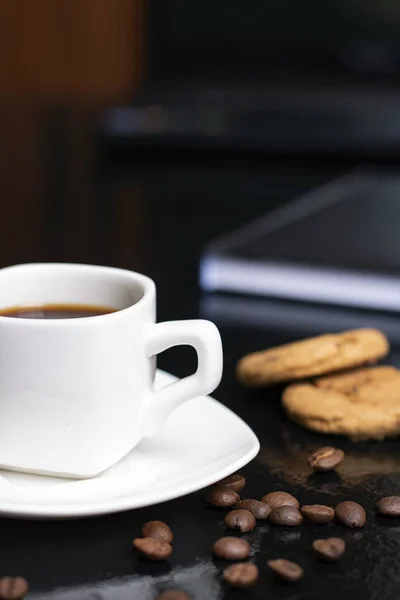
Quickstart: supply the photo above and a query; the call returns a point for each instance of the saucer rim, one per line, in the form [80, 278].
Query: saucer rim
[114, 505]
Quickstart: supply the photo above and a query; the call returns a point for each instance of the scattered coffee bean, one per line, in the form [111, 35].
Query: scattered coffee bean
[241, 575]
[286, 515]
[317, 514]
[222, 497]
[153, 549]
[326, 459]
[350, 514]
[275, 499]
[330, 549]
[157, 530]
[13, 588]
[173, 595]
[234, 482]
[231, 548]
[259, 509]
[286, 569]
[389, 506]
[240, 520]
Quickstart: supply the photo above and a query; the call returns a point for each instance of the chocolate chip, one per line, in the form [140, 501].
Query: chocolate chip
[153, 549]
[157, 530]
[240, 520]
[275, 499]
[241, 575]
[220, 497]
[234, 482]
[286, 569]
[259, 509]
[231, 548]
[173, 594]
[330, 550]
[389, 506]
[317, 514]
[285, 515]
[326, 459]
[350, 514]
[13, 588]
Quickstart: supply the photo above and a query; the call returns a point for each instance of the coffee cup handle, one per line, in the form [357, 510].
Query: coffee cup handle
[206, 340]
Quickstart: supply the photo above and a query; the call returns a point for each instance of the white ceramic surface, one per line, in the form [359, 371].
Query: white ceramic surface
[76, 395]
[200, 443]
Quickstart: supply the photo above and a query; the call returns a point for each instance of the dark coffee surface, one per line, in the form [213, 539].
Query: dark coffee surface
[56, 311]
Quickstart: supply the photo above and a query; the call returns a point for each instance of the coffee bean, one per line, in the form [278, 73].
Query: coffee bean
[157, 530]
[231, 548]
[13, 588]
[286, 569]
[317, 514]
[330, 549]
[285, 515]
[234, 482]
[220, 497]
[173, 594]
[389, 506]
[241, 520]
[241, 575]
[153, 549]
[350, 514]
[326, 459]
[275, 499]
[259, 509]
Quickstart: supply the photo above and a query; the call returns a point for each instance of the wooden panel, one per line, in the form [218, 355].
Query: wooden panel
[71, 48]
[21, 176]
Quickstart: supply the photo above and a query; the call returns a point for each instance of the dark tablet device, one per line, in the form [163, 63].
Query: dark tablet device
[339, 244]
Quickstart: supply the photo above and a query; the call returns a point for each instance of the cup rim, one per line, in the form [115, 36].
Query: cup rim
[147, 284]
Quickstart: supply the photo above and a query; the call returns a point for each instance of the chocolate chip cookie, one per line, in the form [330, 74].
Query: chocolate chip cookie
[312, 357]
[362, 404]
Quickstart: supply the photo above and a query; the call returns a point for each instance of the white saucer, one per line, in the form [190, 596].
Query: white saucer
[202, 442]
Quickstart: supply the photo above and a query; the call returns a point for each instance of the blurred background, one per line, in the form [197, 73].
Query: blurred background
[268, 75]
[136, 131]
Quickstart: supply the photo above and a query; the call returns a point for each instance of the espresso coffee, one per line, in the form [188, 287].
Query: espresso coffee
[56, 311]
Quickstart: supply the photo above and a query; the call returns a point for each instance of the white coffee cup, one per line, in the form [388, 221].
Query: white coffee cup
[76, 395]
